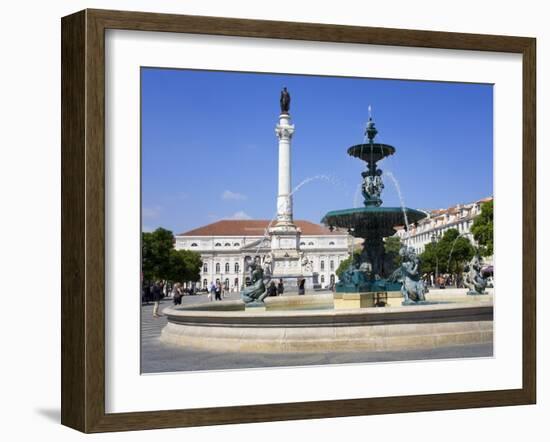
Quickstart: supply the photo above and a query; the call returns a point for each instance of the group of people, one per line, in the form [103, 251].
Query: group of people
[275, 290]
[218, 291]
[154, 292]
[442, 280]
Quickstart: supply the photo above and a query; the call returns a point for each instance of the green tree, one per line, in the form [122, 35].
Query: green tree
[161, 261]
[392, 245]
[482, 229]
[448, 255]
[454, 251]
[155, 253]
[345, 264]
[430, 259]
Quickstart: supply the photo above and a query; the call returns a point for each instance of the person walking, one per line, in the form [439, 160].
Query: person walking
[177, 293]
[302, 287]
[272, 289]
[212, 291]
[157, 296]
[218, 291]
[280, 288]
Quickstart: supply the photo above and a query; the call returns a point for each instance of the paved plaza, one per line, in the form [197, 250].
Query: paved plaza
[158, 357]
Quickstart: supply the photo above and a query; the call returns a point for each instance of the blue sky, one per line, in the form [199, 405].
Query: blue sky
[209, 149]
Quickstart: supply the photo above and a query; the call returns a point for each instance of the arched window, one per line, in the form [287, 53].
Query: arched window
[236, 283]
[322, 279]
[236, 267]
[204, 284]
[194, 244]
[331, 264]
[226, 267]
[331, 243]
[205, 268]
[227, 244]
[236, 244]
[322, 265]
[310, 243]
[217, 267]
[218, 244]
[302, 243]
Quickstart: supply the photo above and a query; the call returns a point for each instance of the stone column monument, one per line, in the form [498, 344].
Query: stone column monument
[285, 235]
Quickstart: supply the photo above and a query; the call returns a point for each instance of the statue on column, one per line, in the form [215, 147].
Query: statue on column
[285, 101]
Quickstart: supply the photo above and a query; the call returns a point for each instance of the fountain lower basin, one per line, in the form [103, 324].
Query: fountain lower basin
[310, 323]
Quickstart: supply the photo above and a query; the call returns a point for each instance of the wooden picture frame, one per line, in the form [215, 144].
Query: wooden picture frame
[83, 220]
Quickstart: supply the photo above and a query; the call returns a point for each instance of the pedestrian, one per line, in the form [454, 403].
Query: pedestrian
[302, 287]
[218, 291]
[272, 289]
[177, 293]
[147, 293]
[212, 292]
[280, 288]
[157, 296]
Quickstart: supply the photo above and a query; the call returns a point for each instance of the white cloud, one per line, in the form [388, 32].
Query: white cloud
[240, 215]
[150, 212]
[227, 195]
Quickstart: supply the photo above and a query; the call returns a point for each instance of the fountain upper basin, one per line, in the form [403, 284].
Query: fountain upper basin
[372, 218]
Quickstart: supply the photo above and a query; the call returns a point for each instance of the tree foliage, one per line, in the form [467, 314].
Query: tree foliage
[161, 261]
[392, 245]
[346, 263]
[482, 229]
[448, 255]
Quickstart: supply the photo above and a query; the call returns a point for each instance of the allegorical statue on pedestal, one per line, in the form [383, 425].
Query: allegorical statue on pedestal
[408, 274]
[256, 292]
[285, 101]
[473, 277]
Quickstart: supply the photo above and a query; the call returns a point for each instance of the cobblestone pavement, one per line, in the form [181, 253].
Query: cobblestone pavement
[158, 357]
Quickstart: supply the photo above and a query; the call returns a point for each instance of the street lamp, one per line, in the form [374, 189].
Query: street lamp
[434, 238]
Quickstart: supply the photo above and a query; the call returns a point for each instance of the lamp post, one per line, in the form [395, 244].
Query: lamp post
[434, 238]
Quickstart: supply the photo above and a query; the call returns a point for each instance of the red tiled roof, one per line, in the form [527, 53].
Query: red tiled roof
[253, 227]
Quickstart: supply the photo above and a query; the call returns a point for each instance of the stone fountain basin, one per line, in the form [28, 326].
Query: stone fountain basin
[382, 219]
[310, 324]
[378, 152]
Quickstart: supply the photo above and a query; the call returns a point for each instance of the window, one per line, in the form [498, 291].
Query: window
[302, 243]
[226, 267]
[236, 244]
[236, 267]
[236, 283]
[331, 243]
[218, 244]
[322, 265]
[322, 279]
[227, 244]
[205, 268]
[217, 267]
[204, 283]
[331, 264]
[194, 244]
[310, 243]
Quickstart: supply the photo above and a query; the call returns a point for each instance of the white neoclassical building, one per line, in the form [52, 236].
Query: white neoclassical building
[227, 245]
[459, 217]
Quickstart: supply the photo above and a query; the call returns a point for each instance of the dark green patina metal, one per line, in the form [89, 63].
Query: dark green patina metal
[370, 271]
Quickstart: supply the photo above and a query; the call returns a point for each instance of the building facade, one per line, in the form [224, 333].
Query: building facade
[228, 246]
[459, 217]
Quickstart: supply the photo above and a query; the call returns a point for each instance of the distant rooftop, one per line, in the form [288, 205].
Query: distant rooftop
[253, 227]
